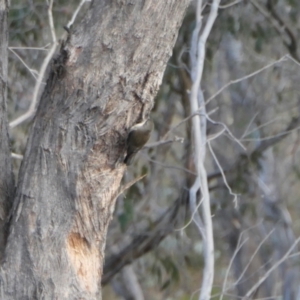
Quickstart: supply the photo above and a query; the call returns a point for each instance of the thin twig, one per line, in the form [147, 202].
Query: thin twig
[294, 60]
[164, 142]
[235, 196]
[194, 217]
[265, 144]
[168, 166]
[71, 22]
[32, 109]
[246, 133]
[270, 137]
[248, 126]
[30, 48]
[239, 246]
[188, 118]
[253, 255]
[194, 210]
[32, 72]
[230, 4]
[283, 58]
[267, 274]
[227, 130]
[125, 187]
[215, 136]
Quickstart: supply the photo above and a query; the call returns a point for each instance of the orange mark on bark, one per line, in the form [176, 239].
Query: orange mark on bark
[86, 262]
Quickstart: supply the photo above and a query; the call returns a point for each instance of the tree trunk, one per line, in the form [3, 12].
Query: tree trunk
[107, 73]
[6, 175]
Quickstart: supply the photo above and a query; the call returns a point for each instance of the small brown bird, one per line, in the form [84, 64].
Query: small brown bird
[138, 136]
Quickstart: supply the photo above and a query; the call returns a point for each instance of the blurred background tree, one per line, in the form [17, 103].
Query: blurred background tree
[251, 85]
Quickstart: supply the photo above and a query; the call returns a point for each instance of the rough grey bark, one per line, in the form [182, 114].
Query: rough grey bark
[106, 74]
[6, 176]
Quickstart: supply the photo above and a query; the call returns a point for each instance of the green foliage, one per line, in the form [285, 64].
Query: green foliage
[166, 271]
[126, 217]
[232, 24]
[260, 37]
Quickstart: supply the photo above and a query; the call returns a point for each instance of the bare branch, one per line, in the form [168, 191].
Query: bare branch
[170, 166]
[30, 48]
[269, 141]
[228, 131]
[197, 56]
[253, 255]
[195, 216]
[230, 4]
[280, 26]
[129, 184]
[32, 109]
[188, 118]
[267, 274]
[32, 72]
[164, 142]
[239, 246]
[235, 201]
[283, 58]
[50, 16]
[265, 144]
[246, 132]
[71, 22]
